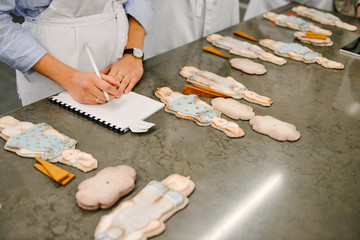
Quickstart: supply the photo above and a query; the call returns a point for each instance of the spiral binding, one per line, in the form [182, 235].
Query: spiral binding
[88, 116]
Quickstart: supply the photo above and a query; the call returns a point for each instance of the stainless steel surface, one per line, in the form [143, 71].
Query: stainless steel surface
[248, 188]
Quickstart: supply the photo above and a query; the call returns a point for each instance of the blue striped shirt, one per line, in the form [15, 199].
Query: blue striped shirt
[20, 50]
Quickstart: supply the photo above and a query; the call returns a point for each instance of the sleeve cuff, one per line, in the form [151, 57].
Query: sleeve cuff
[142, 11]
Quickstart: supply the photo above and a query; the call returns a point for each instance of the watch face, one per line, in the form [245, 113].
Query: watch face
[138, 53]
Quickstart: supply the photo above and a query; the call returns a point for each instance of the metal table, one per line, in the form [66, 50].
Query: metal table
[252, 187]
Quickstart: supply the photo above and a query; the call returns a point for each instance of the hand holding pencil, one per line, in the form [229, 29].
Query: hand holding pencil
[102, 98]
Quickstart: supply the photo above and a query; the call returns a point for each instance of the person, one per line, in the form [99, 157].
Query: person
[348, 7]
[258, 7]
[179, 22]
[48, 51]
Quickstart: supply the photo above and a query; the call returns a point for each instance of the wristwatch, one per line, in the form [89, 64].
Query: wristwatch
[137, 52]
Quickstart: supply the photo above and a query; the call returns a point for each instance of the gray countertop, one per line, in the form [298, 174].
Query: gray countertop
[252, 187]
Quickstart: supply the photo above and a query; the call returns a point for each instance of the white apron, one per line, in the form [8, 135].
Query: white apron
[63, 28]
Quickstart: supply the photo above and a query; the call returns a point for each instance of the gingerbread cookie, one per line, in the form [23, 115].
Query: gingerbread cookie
[295, 23]
[274, 128]
[320, 40]
[248, 66]
[232, 108]
[105, 188]
[192, 108]
[41, 140]
[322, 17]
[224, 85]
[300, 53]
[143, 216]
[244, 49]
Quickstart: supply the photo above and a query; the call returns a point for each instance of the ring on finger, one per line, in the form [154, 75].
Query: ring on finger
[120, 73]
[97, 100]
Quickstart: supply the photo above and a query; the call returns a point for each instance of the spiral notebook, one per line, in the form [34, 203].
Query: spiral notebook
[117, 114]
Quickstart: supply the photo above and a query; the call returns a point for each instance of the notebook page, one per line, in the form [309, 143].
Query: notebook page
[121, 113]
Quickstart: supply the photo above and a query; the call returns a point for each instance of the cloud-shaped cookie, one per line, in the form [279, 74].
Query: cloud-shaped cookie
[106, 187]
[233, 108]
[248, 66]
[275, 128]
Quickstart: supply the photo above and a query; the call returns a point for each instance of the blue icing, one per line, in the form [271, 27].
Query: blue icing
[310, 56]
[225, 38]
[177, 197]
[35, 140]
[295, 20]
[159, 186]
[101, 236]
[299, 49]
[295, 47]
[186, 105]
[196, 74]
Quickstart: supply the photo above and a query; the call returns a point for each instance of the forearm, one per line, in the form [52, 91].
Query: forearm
[56, 70]
[136, 34]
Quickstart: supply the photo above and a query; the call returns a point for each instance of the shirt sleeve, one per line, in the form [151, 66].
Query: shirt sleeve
[18, 48]
[142, 11]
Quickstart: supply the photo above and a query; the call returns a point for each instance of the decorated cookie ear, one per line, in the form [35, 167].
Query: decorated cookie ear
[76, 158]
[212, 38]
[256, 98]
[106, 187]
[16, 129]
[231, 129]
[269, 57]
[329, 63]
[7, 121]
[167, 95]
[274, 128]
[187, 71]
[10, 127]
[233, 108]
[144, 215]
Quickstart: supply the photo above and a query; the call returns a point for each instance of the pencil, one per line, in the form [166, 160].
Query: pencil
[95, 68]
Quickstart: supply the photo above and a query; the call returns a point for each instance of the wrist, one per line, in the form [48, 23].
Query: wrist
[135, 52]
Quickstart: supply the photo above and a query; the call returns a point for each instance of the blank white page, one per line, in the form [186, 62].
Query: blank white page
[120, 113]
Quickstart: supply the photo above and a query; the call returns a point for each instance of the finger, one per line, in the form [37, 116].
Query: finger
[113, 72]
[124, 83]
[106, 70]
[131, 85]
[119, 78]
[109, 79]
[93, 100]
[101, 85]
[99, 99]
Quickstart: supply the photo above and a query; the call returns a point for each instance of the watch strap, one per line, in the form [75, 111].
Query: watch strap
[131, 51]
